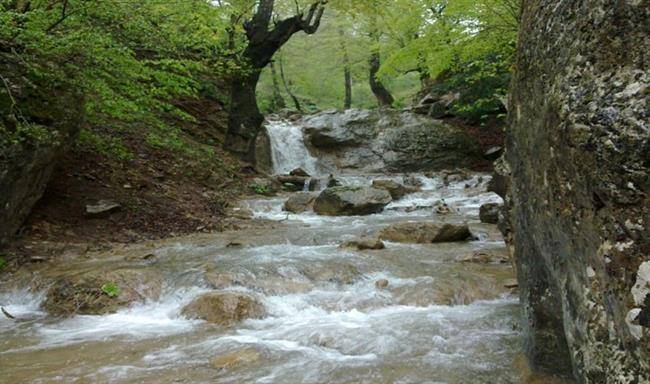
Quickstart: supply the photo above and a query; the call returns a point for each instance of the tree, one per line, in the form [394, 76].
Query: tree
[347, 72]
[263, 42]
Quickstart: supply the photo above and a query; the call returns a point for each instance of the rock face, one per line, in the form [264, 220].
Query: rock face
[27, 160]
[224, 308]
[425, 233]
[351, 201]
[300, 202]
[387, 140]
[578, 149]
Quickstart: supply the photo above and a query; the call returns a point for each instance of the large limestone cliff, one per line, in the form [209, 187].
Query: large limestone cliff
[579, 152]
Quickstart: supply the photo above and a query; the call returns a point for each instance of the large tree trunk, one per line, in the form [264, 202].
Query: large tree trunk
[378, 89]
[245, 118]
[347, 73]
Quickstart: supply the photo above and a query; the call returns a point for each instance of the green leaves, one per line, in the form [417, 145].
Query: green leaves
[111, 289]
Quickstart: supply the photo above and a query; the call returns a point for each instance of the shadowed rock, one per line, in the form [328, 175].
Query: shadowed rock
[425, 233]
[351, 201]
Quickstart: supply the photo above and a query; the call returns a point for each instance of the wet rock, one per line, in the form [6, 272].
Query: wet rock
[224, 308]
[299, 172]
[102, 208]
[511, 283]
[300, 202]
[500, 181]
[263, 152]
[331, 129]
[493, 153]
[578, 146]
[87, 293]
[396, 190]
[440, 207]
[381, 283]
[333, 272]
[293, 183]
[388, 140]
[455, 176]
[489, 213]
[351, 201]
[364, 244]
[422, 232]
[486, 257]
[317, 184]
[235, 359]
[264, 186]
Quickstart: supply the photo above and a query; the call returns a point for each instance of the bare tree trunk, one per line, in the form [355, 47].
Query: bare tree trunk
[382, 94]
[278, 101]
[245, 119]
[378, 89]
[347, 73]
[296, 102]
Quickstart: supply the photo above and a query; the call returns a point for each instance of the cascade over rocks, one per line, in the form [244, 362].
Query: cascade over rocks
[578, 149]
[351, 201]
[387, 140]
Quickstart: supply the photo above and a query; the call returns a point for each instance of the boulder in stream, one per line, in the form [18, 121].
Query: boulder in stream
[224, 308]
[351, 201]
[364, 244]
[100, 292]
[489, 213]
[299, 202]
[423, 232]
[396, 190]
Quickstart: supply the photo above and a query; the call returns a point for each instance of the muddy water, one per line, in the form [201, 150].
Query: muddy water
[438, 321]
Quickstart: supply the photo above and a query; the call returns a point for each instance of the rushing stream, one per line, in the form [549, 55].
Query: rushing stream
[437, 321]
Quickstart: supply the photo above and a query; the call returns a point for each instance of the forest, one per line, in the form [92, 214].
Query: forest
[376, 191]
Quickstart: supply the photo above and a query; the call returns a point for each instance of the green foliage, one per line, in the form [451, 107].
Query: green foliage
[130, 59]
[111, 289]
[113, 148]
[260, 189]
[3, 263]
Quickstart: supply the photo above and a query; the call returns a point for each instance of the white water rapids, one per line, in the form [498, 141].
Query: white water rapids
[438, 321]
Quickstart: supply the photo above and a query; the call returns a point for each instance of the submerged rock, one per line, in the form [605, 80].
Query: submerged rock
[224, 308]
[396, 190]
[100, 292]
[381, 283]
[235, 359]
[351, 201]
[422, 232]
[299, 172]
[489, 213]
[300, 202]
[364, 244]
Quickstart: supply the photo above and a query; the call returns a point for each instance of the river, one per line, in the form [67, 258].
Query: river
[438, 320]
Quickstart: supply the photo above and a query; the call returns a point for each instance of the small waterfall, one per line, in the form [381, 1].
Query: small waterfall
[288, 148]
